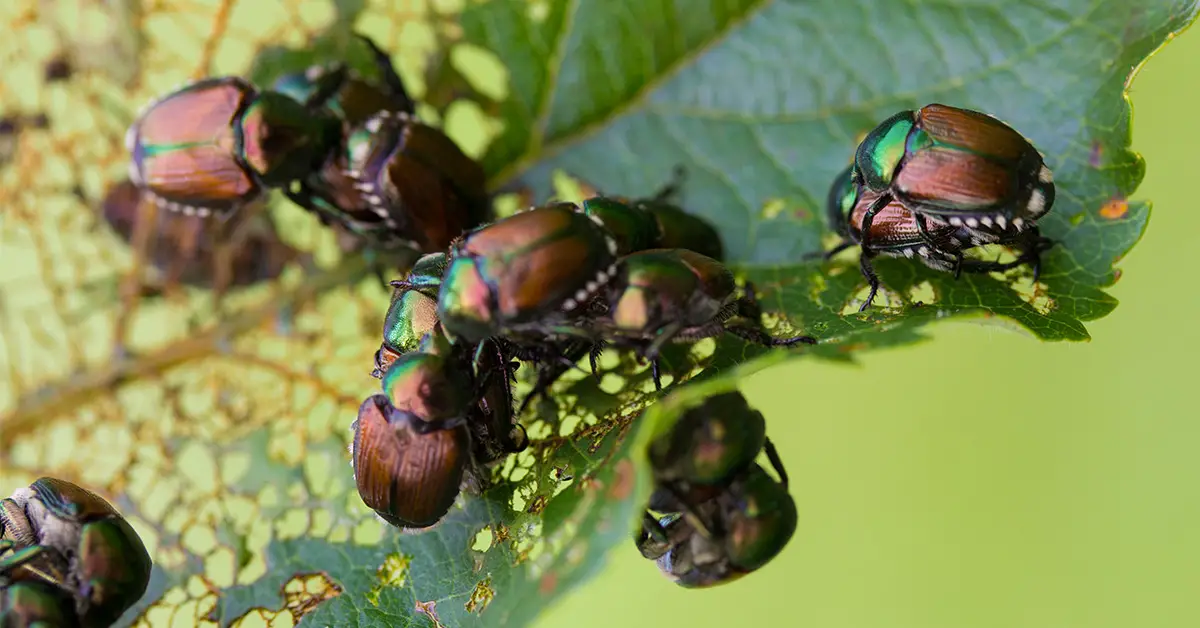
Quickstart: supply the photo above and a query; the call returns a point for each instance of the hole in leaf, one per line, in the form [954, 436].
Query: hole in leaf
[483, 539]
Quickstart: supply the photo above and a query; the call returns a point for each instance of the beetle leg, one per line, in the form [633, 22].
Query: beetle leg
[570, 355]
[825, 256]
[593, 358]
[395, 85]
[761, 337]
[934, 247]
[748, 305]
[38, 561]
[652, 528]
[678, 175]
[327, 85]
[707, 529]
[516, 440]
[874, 208]
[422, 426]
[1031, 255]
[665, 335]
[655, 374]
[776, 462]
[868, 271]
[399, 283]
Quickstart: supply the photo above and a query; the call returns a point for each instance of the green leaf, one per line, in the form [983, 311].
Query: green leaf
[763, 104]
[221, 434]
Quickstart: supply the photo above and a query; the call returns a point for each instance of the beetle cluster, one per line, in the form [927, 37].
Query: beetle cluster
[563, 281]
[937, 181]
[549, 285]
[67, 558]
[715, 515]
[340, 145]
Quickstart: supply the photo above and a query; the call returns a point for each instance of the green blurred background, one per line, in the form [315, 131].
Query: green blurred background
[983, 478]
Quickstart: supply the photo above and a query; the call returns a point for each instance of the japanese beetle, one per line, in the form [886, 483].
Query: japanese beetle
[217, 144]
[898, 231]
[431, 430]
[719, 536]
[441, 380]
[711, 443]
[654, 223]
[663, 295]
[56, 523]
[417, 179]
[428, 384]
[408, 469]
[519, 275]
[35, 603]
[241, 251]
[963, 167]
[412, 312]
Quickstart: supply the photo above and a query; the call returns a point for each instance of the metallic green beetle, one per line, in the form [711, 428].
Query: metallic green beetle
[717, 537]
[330, 191]
[219, 143]
[898, 231]
[655, 223]
[417, 179]
[959, 166]
[35, 604]
[104, 564]
[432, 430]
[519, 275]
[664, 295]
[712, 442]
[412, 312]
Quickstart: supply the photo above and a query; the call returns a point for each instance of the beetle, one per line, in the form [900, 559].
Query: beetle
[655, 223]
[35, 603]
[520, 275]
[664, 295]
[412, 312]
[720, 535]
[408, 469]
[898, 231]
[188, 249]
[417, 179]
[961, 166]
[712, 442]
[439, 380]
[433, 428]
[79, 538]
[237, 142]
[240, 141]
